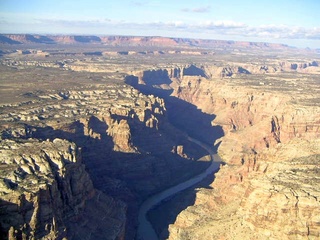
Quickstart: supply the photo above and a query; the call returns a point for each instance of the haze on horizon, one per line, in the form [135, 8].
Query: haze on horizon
[292, 22]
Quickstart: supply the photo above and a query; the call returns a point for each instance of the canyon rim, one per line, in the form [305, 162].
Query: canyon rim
[92, 126]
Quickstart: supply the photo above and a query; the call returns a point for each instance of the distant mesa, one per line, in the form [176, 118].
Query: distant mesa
[133, 41]
[39, 39]
[5, 39]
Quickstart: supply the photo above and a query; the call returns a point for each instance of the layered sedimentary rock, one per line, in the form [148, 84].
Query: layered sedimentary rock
[133, 41]
[237, 69]
[127, 145]
[46, 192]
[263, 200]
[266, 128]
[269, 187]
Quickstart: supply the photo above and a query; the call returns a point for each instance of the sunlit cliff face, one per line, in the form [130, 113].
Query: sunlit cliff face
[270, 146]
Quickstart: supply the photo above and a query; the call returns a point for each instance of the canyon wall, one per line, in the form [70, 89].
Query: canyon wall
[96, 148]
[128, 149]
[268, 187]
[46, 190]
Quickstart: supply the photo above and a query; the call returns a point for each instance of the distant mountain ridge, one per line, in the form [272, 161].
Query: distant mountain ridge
[131, 41]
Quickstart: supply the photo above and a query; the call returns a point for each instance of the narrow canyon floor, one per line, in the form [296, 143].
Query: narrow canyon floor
[88, 131]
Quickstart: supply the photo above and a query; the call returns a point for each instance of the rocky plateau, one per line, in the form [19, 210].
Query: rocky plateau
[126, 151]
[130, 40]
[92, 126]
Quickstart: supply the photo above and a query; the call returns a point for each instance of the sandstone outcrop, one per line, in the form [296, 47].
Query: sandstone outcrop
[85, 149]
[124, 137]
[45, 188]
[272, 197]
[269, 185]
[270, 147]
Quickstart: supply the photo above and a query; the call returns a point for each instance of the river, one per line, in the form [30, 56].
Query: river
[145, 228]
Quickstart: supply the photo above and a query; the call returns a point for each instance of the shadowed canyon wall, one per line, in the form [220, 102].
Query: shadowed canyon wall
[128, 149]
[45, 190]
[97, 152]
[269, 185]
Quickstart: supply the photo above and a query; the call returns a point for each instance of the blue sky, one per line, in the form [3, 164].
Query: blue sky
[293, 22]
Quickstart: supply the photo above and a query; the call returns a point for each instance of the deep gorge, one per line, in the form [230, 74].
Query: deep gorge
[97, 153]
[249, 129]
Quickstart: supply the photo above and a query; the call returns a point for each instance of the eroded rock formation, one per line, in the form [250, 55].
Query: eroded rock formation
[46, 190]
[127, 145]
[271, 149]
[265, 114]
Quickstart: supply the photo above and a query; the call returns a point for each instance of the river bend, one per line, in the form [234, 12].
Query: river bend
[145, 228]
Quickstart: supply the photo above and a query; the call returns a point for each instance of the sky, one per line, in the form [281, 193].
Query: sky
[292, 22]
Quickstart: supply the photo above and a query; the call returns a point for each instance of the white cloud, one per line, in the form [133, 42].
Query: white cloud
[197, 10]
[221, 24]
[229, 29]
[284, 32]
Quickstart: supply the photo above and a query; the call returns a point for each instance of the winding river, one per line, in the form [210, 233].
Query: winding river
[145, 229]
